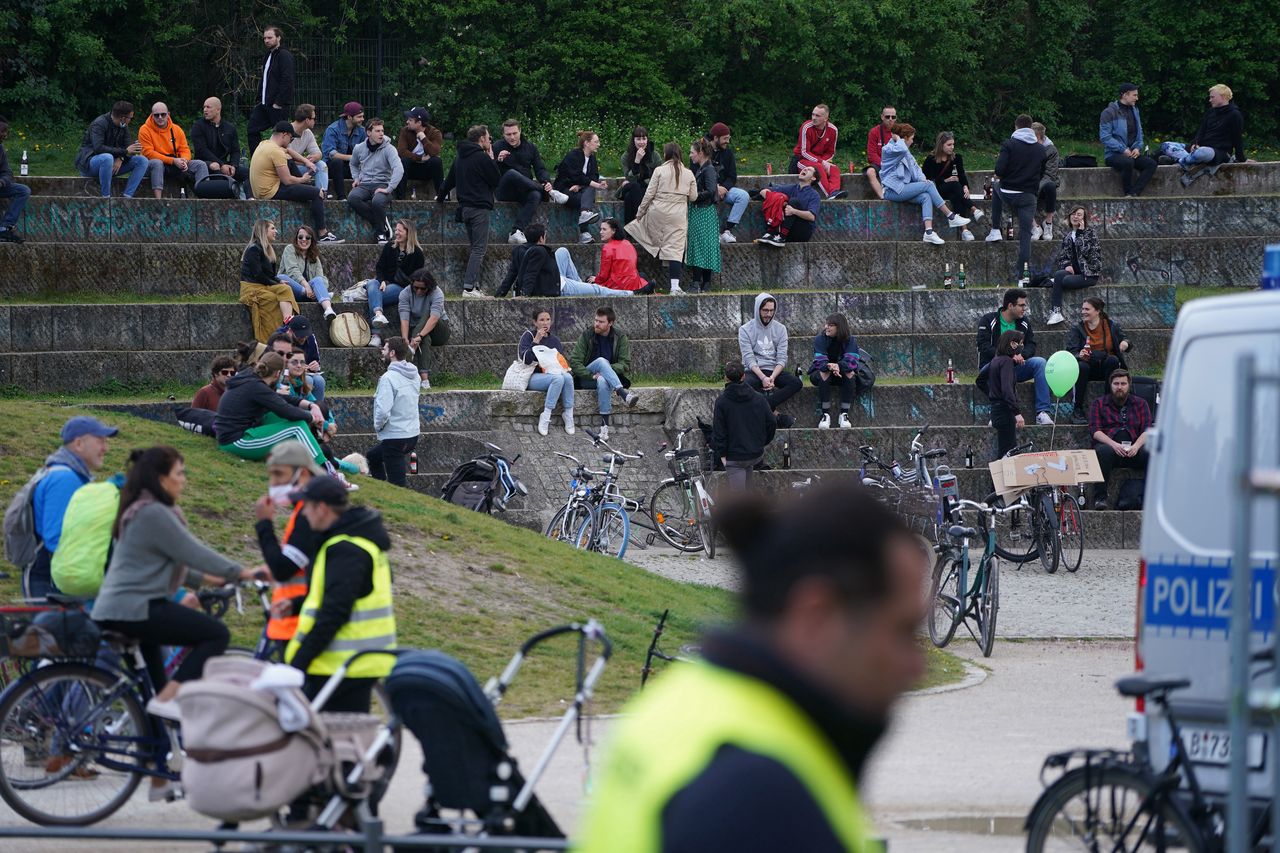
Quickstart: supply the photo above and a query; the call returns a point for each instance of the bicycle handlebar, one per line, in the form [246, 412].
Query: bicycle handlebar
[570, 457]
[599, 442]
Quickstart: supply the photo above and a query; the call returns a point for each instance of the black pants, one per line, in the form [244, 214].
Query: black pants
[1006, 427]
[241, 175]
[308, 195]
[1023, 206]
[37, 581]
[1126, 166]
[1063, 280]
[796, 230]
[952, 193]
[431, 170]
[521, 189]
[847, 384]
[389, 459]
[631, 193]
[353, 696]
[263, 118]
[339, 174]
[168, 623]
[1098, 366]
[1047, 198]
[1108, 459]
[786, 386]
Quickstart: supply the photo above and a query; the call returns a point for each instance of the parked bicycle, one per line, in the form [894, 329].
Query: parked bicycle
[681, 504]
[1046, 525]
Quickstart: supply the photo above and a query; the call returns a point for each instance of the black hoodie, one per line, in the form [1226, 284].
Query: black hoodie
[743, 423]
[474, 174]
[1222, 129]
[245, 401]
[524, 159]
[348, 577]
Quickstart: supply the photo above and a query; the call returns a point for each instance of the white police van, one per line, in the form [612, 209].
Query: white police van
[1184, 586]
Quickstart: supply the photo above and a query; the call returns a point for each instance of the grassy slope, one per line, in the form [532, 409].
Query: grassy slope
[471, 585]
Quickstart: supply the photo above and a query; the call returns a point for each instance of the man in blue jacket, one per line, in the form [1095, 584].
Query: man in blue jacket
[339, 141]
[1120, 129]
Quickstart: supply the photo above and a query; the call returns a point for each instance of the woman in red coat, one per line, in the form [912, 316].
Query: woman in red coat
[618, 261]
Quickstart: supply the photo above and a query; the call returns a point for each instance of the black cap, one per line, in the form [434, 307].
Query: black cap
[420, 113]
[300, 326]
[283, 127]
[325, 490]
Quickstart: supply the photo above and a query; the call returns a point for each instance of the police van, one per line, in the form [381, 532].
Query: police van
[1184, 583]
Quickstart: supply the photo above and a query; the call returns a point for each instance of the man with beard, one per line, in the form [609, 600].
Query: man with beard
[1118, 424]
[395, 414]
[222, 369]
[376, 171]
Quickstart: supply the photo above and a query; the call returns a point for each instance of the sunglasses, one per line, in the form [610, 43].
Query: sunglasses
[159, 115]
[294, 361]
[888, 116]
[304, 238]
[227, 372]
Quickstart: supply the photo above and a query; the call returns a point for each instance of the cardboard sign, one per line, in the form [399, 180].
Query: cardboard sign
[1051, 468]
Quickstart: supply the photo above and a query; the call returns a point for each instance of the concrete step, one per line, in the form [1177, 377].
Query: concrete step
[53, 219]
[1231, 179]
[180, 269]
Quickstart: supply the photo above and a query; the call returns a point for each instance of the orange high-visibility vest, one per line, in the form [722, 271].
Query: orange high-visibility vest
[283, 628]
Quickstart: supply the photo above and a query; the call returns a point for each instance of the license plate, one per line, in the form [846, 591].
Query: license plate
[1213, 746]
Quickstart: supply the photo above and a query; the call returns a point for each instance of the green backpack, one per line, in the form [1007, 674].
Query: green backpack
[81, 559]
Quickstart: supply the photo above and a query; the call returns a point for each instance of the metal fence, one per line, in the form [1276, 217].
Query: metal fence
[330, 74]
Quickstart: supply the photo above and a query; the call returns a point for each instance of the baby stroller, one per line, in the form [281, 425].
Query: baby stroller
[485, 483]
[470, 772]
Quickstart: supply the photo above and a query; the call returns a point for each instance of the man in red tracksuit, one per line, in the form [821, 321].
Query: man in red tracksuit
[817, 148]
[877, 138]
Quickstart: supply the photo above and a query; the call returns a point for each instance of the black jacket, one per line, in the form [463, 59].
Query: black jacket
[1222, 129]
[254, 266]
[939, 172]
[279, 78]
[706, 179]
[726, 165]
[748, 803]
[1002, 383]
[524, 159]
[474, 174]
[989, 336]
[397, 267]
[218, 144]
[296, 554]
[742, 424]
[245, 401]
[348, 577]
[6, 174]
[1076, 336]
[569, 173]
[103, 136]
[1020, 165]
[532, 272]
[640, 173]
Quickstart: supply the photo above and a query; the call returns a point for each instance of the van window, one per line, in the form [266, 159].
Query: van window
[1199, 441]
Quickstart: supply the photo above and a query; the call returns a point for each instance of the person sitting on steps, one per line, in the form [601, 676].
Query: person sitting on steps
[790, 211]
[400, 258]
[1100, 345]
[946, 169]
[1120, 131]
[558, 386]
[1047, 197]
[1012, 315]
[601, 360]
[578, 179]
[742, 425]
[835, 362]
[423, 321]
[762, 343]
[525, 180]
[1077, 264]
[1119, 423]
[903, 181]
[301, 269]
[271, 303]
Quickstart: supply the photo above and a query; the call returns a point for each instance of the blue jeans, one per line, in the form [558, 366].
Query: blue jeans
[606, 383]
[100, 165]
[558, 386]
[319, 286]
[379, 297]
[923, 193]
[738, 199]
[1032, 368]
[19, 193]
[1201, 155]
[317, 386]
[322, 174]
[571, 284]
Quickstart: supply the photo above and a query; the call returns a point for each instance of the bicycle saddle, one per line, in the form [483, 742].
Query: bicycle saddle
[959, 532]
[935, 453]
[1144, 685]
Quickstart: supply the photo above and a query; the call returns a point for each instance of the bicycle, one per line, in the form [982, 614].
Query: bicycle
[608, 529]
[656, 653]
[1115, 800]
[681, 505]
[578, 507]
[1055, 528]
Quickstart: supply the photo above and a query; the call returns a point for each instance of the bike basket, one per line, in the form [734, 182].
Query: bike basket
[686, 464]
[49, 633]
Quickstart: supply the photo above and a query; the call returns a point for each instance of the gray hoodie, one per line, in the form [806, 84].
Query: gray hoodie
[380, 166]
[395, 403]
[763, 345]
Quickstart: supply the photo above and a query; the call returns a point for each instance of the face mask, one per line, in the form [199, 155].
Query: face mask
[280, 494]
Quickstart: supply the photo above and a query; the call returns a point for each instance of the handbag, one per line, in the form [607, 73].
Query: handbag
[518, 375]
[355, 293]
[864, 375]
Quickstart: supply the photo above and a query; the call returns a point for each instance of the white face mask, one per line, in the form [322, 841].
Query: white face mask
[280, 494]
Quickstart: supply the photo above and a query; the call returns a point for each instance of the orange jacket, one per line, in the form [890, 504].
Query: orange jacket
[163, 144]
[283, 628]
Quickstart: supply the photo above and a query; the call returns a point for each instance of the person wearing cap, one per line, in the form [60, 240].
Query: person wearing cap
[270, 178]
[348, 608]
[298, 331]
[83, 450]
[419, 147]
[1120, 130]
[289, 468]
[275, 91]
[376, 171]
[727, 189]
[339, 140]
[395, 414]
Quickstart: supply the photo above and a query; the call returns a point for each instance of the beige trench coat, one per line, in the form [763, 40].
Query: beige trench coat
[661, 225]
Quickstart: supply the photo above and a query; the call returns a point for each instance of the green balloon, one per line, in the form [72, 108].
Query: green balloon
[1061, 372]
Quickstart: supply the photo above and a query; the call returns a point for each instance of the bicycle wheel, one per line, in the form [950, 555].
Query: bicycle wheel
[675, 516]
[1107, 808]
[1070, 533]
[69, 735]
[613, 530]
[565, 523]
[946, 601]
[1044, 530]
[1014, 539]
[989, 606]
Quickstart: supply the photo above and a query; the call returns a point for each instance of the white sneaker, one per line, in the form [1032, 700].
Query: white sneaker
[1048, 231]
[544, 422]
[1055, 317]
[955, 220]
[166, 793]
[631, 399]
[604, 432]
[825, 421]
[425, 384]
[966, 235]
[1044, 419]
[727, 237]
[558, 197]
[995, 236]
[675, 290]
[384, 237]
[585, 237]
[375, 340]
[568, 422]
[164, 709]
[844, 421]
[1036, 230]
[932, 237]
[977, 214]
[330, 315]
[380, 319]
[475, 293]
[517, 238]
[587, 217]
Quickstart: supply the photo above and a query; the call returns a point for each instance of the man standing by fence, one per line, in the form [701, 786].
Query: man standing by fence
[275, 90]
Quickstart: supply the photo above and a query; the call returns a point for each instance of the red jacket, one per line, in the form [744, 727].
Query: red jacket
[877, 138]
[817, 145]
[618, 266]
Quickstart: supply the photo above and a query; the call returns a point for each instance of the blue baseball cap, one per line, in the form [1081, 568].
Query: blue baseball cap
[85, 425]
